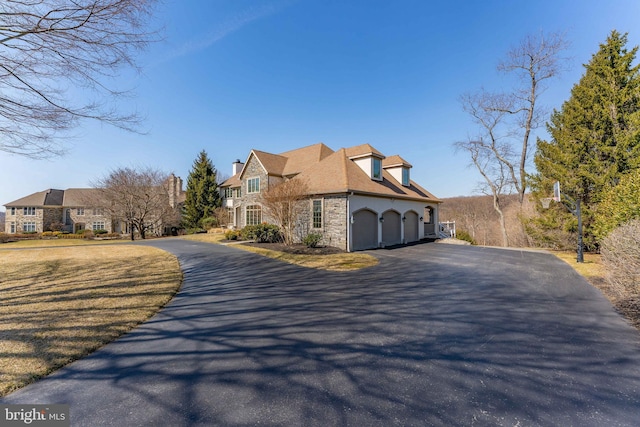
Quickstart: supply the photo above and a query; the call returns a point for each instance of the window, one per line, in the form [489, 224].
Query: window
[29, 211]
[99, 225]
[29, 227]
[253, 185]
[13, 211]
[254, 215]
[377, 168]
[239, 192]
[405, 177]
[428, 215]
[79, 211]
[229, 215]
[98, 211]
[228, 193]
[13, 227]
[317, 214]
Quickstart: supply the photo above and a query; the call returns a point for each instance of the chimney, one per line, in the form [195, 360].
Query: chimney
[237, 167]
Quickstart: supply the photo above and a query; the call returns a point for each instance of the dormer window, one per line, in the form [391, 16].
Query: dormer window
[377, 168]
[405, 177]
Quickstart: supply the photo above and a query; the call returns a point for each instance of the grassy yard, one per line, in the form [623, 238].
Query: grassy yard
[58, 304]
[331, 262]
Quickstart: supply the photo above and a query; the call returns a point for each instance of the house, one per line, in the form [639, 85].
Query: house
[357, 197]
[72, 210]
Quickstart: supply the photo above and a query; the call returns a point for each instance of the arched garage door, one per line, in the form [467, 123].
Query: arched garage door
[364, 230]
[411, 227]
[391, 228]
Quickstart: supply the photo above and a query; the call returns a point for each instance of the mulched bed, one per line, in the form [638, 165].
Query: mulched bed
[298, 249]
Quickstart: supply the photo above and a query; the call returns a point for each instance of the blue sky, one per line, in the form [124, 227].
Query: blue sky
[274, 75]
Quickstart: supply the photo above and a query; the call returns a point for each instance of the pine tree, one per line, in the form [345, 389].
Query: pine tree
[202, 197]
[595, 137]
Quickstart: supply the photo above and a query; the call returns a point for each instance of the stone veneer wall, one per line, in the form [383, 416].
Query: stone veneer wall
[88, 219]
[334, 221]
[253, 169]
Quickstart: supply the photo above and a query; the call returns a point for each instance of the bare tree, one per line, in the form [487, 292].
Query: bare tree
[510, 117]
[495, 174]
[138, 197]
[48, 47]
[285, 204]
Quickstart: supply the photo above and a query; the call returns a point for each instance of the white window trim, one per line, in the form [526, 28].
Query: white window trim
[249, 180]
[321, 214]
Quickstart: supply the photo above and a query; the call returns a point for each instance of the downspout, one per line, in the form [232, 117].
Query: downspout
[349, 225]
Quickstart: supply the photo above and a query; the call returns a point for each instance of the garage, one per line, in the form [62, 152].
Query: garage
[364, 230]
[391, 234]
[411, 227]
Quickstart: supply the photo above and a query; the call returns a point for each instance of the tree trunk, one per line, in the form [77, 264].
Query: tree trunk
[503, 225]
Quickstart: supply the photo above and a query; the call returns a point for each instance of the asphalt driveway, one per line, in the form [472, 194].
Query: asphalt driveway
[435, 335]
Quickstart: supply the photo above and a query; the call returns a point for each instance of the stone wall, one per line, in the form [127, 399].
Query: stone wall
[334, 221]
[252, 169]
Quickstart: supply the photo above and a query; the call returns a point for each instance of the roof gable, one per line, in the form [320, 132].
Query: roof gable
[363, 150]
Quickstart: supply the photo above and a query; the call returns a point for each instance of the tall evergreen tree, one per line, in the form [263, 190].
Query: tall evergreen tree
[202, 197]
[595, 137]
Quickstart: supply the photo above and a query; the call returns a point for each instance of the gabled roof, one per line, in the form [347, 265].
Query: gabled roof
[80, 196]
[363, 150]
[327, 172]
[273, 164]
[395, 161]
[338, 174]
[71, 197]
[301, 158]
[285, 164]
[50, 197]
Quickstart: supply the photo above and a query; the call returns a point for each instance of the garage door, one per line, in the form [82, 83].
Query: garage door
[391, 228]
[364, 230]
[411, 227]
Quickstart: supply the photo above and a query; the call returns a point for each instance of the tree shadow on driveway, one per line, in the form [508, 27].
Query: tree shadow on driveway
[435, 335]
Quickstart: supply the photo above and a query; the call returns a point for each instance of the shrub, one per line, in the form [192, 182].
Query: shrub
[209, 222]
[99, 232]
[621, 257]
[232, 234]
[262, 233]
[87, 234]
[4, 238]
[464, 235]
[47, 234]
[70, 236]
[57, 233]
[311, 240]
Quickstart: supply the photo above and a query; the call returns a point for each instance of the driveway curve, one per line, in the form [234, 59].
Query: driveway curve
[434, 335]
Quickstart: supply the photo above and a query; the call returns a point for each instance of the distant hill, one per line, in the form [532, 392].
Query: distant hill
[476, 216]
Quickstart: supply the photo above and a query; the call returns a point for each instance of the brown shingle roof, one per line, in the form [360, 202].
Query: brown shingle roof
[395, 160]
[35, 199]
[302, 158]
[338, 174]
[363, 150]
[328, 172]
[81, 196]
[272, 163]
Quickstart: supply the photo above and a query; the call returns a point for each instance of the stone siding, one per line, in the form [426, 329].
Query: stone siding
[334, 221]
[252, 169]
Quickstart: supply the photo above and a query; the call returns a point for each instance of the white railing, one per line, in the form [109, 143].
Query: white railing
[447, 229]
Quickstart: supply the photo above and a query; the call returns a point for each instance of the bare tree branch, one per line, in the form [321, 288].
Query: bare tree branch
[48, 47]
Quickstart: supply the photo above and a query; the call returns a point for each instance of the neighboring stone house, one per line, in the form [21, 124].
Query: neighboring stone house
[71, 210]
[357, 198]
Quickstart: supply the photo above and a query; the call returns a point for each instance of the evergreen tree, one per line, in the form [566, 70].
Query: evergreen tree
[202, 197]
[595, 137]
